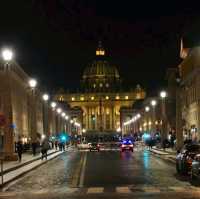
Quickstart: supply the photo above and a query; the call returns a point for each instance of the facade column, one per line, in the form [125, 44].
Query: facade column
[179, 130]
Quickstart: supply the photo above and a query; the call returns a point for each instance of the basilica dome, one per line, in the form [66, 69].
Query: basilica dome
[100, 69]
[100, 75]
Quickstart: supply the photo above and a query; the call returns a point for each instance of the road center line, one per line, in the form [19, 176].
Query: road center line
[81, 182]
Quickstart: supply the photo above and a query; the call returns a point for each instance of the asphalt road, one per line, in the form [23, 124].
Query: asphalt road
[106, 174]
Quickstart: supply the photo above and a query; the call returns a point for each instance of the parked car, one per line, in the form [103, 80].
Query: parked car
[83, 145]
[185, 158]
[127, 145]
[94, 146]
[195, 171]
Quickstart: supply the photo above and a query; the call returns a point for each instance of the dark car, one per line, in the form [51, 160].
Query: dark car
[94, 147]
[195, 171]
[185, 157]
[127, 145]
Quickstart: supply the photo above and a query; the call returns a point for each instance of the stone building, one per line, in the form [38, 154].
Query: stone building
[189, 70]
[21, 110]
[101, 96]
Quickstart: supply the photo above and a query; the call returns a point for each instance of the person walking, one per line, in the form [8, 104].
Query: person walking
[19, 150]
[44, 149]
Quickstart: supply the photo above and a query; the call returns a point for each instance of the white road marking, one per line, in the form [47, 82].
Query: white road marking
[83, 171]
[123, 190]
[95, 190]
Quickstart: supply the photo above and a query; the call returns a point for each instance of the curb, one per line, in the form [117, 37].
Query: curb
[25, 163]
[168, 159]
[25, 172]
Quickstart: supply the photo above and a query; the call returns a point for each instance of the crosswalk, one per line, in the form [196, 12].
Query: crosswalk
[146, 189]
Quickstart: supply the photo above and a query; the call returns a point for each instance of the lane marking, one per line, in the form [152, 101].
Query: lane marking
[123, 190]
[81, 182]
[77, 172]
[95, 190]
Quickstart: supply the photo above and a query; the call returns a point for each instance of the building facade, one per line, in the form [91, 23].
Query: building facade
[22, 111]
[101, 97]
[190, 92]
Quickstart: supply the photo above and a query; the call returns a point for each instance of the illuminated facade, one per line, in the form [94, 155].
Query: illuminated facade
[101, 98]
[190, 92]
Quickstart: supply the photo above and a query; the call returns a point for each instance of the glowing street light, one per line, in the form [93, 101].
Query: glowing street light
[59, 110]
[32, 83]
[53, 104]
[83, 130]
[163, 94]
[7, 54]
[45, 97]
[147, 109]
[63, 114]
[66, 117]
[71, 121]
[153, 103]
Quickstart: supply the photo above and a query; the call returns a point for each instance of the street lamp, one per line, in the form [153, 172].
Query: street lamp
[32, 83]
[46, 116]
[163, 94]
[147, 109]
[7, 54]
[63, 114]
[59, 110]
[66, 117]
[8, 139]
[53, 104]
[45, 97]
[153, 103]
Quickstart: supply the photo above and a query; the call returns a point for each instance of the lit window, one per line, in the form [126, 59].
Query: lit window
[82, 98]
[73, 98]
[126, 97]
[107, 112]
[101, 85]
[117, 98]
[61, 98]
[107, 97]
[92, 98]
[107, 85]
[94, 85]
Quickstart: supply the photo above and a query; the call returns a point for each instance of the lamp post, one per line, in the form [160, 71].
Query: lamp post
[45, 98]
[153, 104]
[32, 113]
[53, 106]
[163, 95]
[8, 137]
[147, 109]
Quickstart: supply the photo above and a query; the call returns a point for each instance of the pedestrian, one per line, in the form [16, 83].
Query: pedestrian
[34, 146]
[19, 150]
[44, 149]
[56, 144]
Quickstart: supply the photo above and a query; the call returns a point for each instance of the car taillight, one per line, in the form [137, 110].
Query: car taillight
[123, 145]
[131, 145]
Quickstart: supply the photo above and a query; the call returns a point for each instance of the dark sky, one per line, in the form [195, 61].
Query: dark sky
[55, 39]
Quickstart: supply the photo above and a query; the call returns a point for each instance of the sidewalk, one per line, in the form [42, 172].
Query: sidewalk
[167, 154]
[12, 170]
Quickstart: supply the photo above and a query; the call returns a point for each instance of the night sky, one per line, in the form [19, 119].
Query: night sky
[54, 40]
